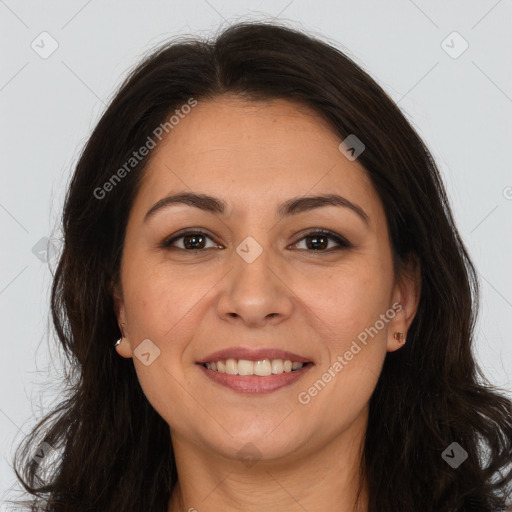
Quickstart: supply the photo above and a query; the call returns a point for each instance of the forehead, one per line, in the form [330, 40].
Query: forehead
[247, 151]
[228, 128]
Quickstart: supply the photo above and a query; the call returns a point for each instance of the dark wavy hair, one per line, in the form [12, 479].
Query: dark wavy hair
[114, 450]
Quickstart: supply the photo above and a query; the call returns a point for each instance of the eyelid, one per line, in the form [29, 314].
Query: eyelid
[339, 239]
[168, 241]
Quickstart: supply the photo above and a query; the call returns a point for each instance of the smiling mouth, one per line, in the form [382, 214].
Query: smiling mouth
[260, 368]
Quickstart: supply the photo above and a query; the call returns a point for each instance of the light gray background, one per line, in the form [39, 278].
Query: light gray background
[462, 108]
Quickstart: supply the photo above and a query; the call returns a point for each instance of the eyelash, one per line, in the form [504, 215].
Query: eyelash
[342, 242]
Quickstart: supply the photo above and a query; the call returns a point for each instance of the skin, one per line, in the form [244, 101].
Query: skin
[255, 155]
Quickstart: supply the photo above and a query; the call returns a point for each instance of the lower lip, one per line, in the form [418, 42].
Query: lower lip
[255, 384]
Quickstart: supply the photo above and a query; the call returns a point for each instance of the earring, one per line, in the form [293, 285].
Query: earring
[399, 336]
[121, 338]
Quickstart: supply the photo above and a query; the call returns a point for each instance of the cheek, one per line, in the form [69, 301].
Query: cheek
[355, 350]
[348, 300]
[160, 307]
[350, 305]
[157, 299]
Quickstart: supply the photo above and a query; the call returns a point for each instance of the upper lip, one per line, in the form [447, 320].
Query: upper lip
[252, 355]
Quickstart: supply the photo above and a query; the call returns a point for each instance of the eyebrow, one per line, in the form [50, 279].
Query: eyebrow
[290, 207]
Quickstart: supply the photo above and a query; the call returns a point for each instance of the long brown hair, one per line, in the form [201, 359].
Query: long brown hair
[115, 451]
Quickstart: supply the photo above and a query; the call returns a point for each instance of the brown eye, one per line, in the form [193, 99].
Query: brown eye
[189, 241]
[318, 241]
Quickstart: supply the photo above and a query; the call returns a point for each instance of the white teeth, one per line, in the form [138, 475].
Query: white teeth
[277, 366]
[246, 367]
[232, 367]
[261, 368]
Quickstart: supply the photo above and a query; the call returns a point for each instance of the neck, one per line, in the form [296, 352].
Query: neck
[317, 480]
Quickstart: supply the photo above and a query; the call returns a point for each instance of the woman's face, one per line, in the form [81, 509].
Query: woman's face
[259, 278]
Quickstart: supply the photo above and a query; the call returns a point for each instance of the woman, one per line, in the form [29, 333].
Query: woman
[270, 242]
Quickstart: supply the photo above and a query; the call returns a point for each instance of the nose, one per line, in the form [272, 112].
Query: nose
[255, 293]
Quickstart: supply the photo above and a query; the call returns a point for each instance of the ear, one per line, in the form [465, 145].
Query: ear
[124, 348]
[405, 299]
